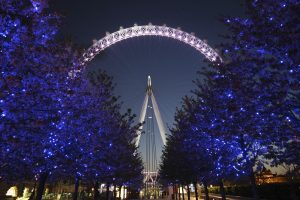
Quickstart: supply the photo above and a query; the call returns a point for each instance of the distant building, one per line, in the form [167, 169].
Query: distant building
[266, 176]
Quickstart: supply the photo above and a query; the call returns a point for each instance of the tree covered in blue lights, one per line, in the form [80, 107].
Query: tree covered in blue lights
[99, 140]
[55, 125]
[33, 71]
[248, 106]
[266, 46]
[198, 144]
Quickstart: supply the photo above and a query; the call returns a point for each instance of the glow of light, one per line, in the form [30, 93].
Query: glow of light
[3, 35]
[12, 191]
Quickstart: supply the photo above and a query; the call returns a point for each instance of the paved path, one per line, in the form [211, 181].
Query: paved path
[216, 197]
[228, 197]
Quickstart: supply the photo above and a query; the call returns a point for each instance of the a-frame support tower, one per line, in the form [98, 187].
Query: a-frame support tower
[150, 97]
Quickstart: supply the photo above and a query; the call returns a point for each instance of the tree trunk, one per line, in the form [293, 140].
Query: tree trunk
[179, 195]
[31, 197]
[182, 192]
[175, 191]
[41, 186]
[173, 187]
[253, 185]
[120, 188]
[189, 192]
[115, 192]
[196, 190]
[206, 190]
[124, 192]
[251, 174]
[76, 186]
[20, 189]
[222, 190]
[96, 191]
[107, 191]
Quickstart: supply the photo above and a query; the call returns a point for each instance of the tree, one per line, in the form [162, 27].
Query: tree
[52, 122]
[268, 43]
[249, 102]
[208, 156]
[34, 67]
[121, 160]
[126, 159]
[264, 53]
[99, 145]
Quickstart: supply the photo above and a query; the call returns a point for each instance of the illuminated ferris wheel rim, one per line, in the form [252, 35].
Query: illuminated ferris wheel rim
[150, 30]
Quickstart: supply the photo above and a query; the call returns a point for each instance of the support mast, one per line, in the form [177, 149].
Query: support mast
[161, 126]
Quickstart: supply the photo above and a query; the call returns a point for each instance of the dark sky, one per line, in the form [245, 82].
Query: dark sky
[171, 64]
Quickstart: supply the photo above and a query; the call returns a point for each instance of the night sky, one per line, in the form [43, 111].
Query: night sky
[171, 64]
